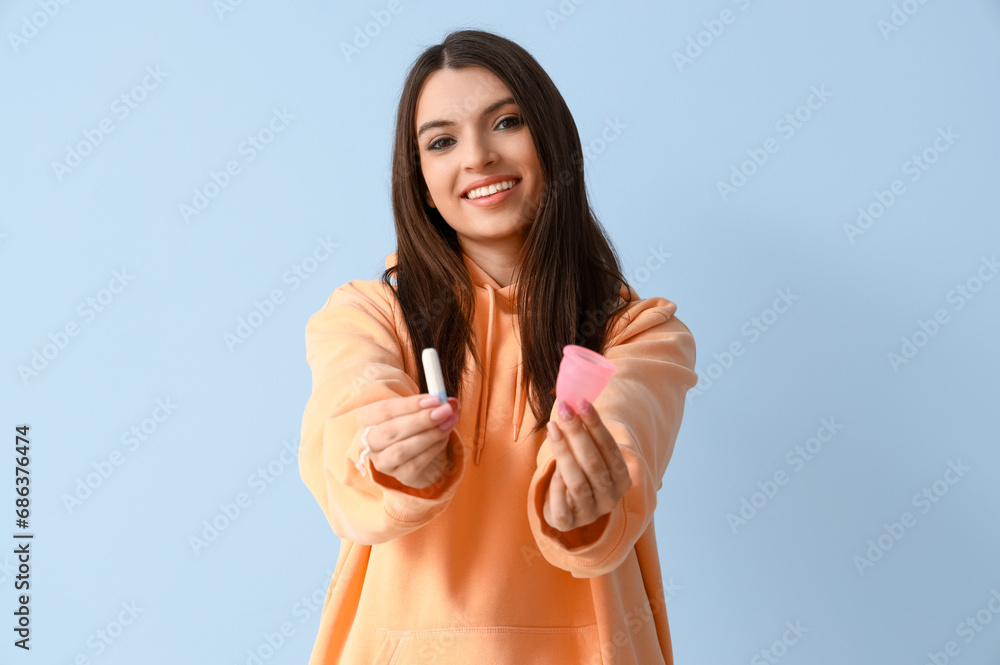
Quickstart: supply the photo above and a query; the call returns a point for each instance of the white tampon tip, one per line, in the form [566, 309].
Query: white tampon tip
[432, 370]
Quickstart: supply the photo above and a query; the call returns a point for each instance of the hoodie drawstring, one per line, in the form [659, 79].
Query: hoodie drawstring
[520, 396]
[484, 403]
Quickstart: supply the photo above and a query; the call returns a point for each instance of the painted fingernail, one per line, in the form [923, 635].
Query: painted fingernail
[564, 410]
[441, 412]
[586, 408]
[429, 400]
[448, 424]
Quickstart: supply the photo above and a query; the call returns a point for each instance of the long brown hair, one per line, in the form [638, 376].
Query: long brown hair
[569, 275]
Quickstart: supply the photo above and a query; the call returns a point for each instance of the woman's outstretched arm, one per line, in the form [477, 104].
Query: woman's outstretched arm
[641, 407]
[354, 352]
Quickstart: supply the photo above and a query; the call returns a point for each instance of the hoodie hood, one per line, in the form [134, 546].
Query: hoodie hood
[494, 308]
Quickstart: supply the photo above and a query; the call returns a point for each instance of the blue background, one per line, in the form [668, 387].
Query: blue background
[684, 126]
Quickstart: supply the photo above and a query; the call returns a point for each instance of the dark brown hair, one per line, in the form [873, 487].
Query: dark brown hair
[569, 276]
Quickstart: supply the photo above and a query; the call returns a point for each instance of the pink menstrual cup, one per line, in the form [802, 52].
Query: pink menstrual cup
[582, 375]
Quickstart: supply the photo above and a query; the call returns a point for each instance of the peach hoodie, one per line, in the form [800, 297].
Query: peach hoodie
[467, 570]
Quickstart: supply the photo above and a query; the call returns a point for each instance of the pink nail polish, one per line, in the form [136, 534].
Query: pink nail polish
[564, 410]
[442, 413]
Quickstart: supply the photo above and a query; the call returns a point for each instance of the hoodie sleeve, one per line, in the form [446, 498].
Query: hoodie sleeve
[642, 406]
[354, 353]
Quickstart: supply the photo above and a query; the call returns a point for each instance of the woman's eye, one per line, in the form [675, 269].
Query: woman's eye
[517, 120]
[435, 146]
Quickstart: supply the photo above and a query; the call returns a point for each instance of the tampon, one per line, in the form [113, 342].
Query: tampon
[432, 370]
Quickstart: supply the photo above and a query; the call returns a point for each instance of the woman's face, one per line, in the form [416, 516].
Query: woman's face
[465, 137]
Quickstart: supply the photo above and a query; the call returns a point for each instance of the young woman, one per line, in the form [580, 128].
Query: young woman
[481, 530]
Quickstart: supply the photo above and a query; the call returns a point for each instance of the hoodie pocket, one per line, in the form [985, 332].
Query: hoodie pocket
[489, 645]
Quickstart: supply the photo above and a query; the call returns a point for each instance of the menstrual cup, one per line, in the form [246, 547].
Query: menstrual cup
[582, 375]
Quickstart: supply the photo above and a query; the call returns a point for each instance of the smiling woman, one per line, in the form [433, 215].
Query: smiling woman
[481, 169]
[478, 529]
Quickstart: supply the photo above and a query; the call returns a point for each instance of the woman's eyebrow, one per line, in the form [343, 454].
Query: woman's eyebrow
[431, 124]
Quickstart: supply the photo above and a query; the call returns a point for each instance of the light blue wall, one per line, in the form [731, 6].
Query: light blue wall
[685, 126]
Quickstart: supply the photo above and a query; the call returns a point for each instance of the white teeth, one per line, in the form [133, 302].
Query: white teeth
[491, 189]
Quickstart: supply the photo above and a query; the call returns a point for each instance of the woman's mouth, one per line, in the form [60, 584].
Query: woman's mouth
[494, 193]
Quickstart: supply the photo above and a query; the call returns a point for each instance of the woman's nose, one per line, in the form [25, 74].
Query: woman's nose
[478, 153]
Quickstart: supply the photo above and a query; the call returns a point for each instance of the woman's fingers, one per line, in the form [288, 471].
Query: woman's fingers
[413, 433]
[573, 477]
[399, 453]
[556, 507]
[384, 415]
[612, 476]
[590, 463]
[401, 417]
[425, 468]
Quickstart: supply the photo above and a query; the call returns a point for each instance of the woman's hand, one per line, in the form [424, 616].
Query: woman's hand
[410, 438]
[591, 474]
